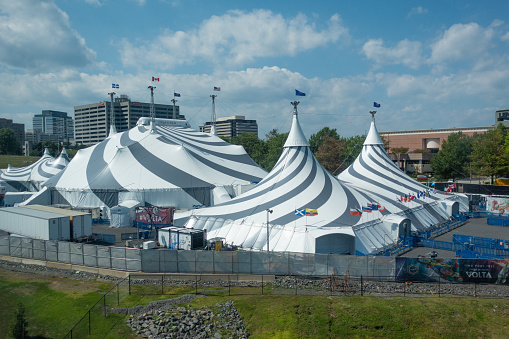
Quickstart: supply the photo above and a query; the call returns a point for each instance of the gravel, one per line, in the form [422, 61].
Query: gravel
[165, 320]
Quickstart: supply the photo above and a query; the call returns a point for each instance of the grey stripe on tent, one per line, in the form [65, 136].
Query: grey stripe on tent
[99, 168]
[43, 173]
[270, 185]
[273, 203]
[165, 170]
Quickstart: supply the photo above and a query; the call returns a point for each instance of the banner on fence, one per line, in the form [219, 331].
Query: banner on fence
[454, 270]
[497, 205]
[156, 216]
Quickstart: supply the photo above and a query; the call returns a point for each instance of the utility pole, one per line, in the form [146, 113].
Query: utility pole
[213, 117]
[113, 130]
[174, 110]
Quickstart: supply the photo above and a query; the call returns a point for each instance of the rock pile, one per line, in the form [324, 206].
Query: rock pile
[221, 321]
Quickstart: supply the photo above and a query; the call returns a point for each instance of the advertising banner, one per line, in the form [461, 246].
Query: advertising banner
[497, 205]
[453, 270]
[159, 217]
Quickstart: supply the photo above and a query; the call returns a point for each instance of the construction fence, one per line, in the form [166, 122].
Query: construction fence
[214, 262]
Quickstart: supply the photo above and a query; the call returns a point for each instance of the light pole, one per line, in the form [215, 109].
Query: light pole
[268, 212]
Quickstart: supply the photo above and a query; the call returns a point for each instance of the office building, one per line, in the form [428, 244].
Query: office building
[18, 129]
[92, 121]
[232, 126]
[54, 123]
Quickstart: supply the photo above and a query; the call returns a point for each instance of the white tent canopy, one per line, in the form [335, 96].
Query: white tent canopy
[296, 184]
[373, 171]
[175, 166]
[32, 177]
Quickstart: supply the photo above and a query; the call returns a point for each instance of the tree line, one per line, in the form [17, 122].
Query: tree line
[462, 156]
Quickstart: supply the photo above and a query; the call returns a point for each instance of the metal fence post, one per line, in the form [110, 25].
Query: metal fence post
[104, 298]
[362, 292]
[129, 282]
[439, 286]
[196, 283]
[162, 283]
[404, 289]
[295, 285]
[262, 284]
[475, 288]
[89, 327]
[229, 292]
[118, 295]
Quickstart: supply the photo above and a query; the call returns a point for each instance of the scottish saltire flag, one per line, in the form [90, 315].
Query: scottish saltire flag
[300, 212]
[299, 93]
[155, 79]
[114, 86]
[217, 89]
[310, 212]
[376, 104]
[175, 94]
[355, 211]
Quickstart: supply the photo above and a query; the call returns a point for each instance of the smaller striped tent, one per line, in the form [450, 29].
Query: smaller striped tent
[412, 204]
[32, 177]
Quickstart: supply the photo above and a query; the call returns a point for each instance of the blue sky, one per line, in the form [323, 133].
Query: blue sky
[430, 64]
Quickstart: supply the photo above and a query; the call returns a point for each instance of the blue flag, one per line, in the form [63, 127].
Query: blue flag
[299, 93]
[300, 212]
[114, 85]
[175, 94]
[376, 104]
[433, 183]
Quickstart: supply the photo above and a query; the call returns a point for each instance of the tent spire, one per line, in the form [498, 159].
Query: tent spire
[113, 130]
[152, 111]
[213, 117]
[296, 137]
[373, 138]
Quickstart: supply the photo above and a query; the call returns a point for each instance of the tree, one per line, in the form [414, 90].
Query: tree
[38, 148]
[254, 147]
[353, 149]
[453, 160]
[8, 142]
[18, 326]
[331, 154]
[489, 154]
[317, 139]
[274, 147]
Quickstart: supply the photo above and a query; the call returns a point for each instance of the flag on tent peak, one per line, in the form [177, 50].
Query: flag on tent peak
[155, 79]
[175, 94]
[376, 104]
[299, 93]
[217, 89]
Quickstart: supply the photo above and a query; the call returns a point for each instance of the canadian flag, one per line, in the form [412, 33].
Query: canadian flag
[155, 79]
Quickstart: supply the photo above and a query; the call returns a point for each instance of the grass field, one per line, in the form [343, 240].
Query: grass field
[22, 161]
[54, 305]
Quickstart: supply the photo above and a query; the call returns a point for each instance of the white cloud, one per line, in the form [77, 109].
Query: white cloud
[416, 11]
[460, 42]
[36, 35]
[235, 39]
[407, 53]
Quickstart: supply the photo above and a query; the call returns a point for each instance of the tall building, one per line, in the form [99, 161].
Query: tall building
[92, 121]
[54, 123]
[232, 126]
[18, 129]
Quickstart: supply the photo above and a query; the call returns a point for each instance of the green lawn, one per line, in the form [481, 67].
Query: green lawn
[54, 305]
[16, 161]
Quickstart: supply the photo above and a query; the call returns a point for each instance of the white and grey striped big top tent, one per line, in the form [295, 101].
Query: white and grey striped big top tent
[296, 187]
[166, 164]
[32, 177]
[413, 206]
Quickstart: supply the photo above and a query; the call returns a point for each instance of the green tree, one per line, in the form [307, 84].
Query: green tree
[453, 160]
[489, 154]
[254, 147]
[317, 139]
[331, 154]
[18, 327]
[353, 149]
[8, 142]
[274, 147]
[38, 148]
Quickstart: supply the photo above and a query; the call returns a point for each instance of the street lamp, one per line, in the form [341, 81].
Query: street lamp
[268, 212]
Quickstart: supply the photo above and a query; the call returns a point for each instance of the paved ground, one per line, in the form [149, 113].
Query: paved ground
[477, 227]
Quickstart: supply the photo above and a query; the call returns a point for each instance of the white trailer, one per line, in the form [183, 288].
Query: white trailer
[35, 224]
[176, 238]
[80, 222]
